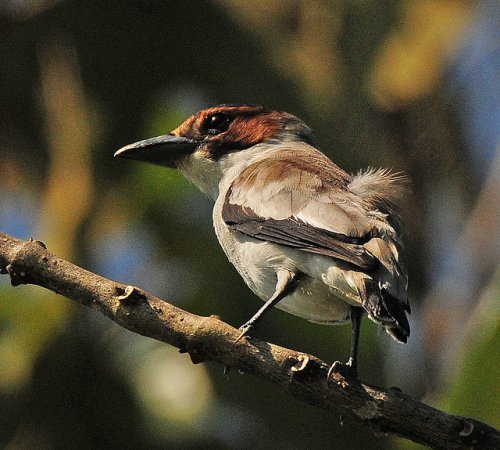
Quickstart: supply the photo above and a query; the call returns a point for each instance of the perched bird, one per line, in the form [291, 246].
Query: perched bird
[305, 236]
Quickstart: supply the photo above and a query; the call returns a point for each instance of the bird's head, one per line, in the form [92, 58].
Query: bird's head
[214, 140]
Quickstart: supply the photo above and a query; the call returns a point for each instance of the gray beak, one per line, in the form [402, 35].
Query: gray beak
[166, 150]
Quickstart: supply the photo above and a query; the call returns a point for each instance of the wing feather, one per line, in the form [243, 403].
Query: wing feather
[302, 200]
[305, 206]
[297, 234]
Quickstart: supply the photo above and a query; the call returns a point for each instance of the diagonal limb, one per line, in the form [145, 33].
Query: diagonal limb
[285, 284]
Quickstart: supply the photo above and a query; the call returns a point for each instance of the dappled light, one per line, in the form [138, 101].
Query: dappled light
[413, 86]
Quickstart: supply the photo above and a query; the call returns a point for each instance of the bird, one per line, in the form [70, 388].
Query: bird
[306, 236]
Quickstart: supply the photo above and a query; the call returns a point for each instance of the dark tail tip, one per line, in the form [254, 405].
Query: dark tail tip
[398, 333]
[386, 309]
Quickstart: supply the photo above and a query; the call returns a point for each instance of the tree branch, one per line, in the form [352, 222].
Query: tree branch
[208, 338]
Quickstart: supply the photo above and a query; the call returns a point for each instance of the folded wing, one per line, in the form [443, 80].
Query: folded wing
[304, 201]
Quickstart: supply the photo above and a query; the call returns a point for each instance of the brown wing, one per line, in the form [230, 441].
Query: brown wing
[298, 234]
[304, 206]
[308, 204]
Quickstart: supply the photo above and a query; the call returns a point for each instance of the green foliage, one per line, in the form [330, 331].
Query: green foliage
[473, 387]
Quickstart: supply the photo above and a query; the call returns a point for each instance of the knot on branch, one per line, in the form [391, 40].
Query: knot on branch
[22, 254]
[475, 434]
[16, 277]
[196, 355]
[130, 295]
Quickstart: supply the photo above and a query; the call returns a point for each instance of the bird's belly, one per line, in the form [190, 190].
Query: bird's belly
[314, 301]
[258, 262]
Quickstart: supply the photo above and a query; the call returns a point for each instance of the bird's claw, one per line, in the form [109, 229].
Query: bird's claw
[246, 330]
[347, 370]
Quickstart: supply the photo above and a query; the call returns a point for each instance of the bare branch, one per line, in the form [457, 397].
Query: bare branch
[208, 338]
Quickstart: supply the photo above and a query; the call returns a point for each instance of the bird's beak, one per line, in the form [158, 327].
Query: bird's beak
[164, 150]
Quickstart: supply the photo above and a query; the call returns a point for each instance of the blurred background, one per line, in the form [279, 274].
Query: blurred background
[413, 85]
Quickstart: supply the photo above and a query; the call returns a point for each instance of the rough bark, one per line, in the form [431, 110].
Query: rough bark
[208, 338]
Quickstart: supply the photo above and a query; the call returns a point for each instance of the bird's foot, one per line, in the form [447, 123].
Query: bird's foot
[347, 370]
[247, 329]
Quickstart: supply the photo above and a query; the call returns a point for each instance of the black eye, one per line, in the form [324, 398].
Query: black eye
[217, 123]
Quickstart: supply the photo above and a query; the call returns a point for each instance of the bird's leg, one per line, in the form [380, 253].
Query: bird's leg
[284, 285]
[356, 314]
[351, 367]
